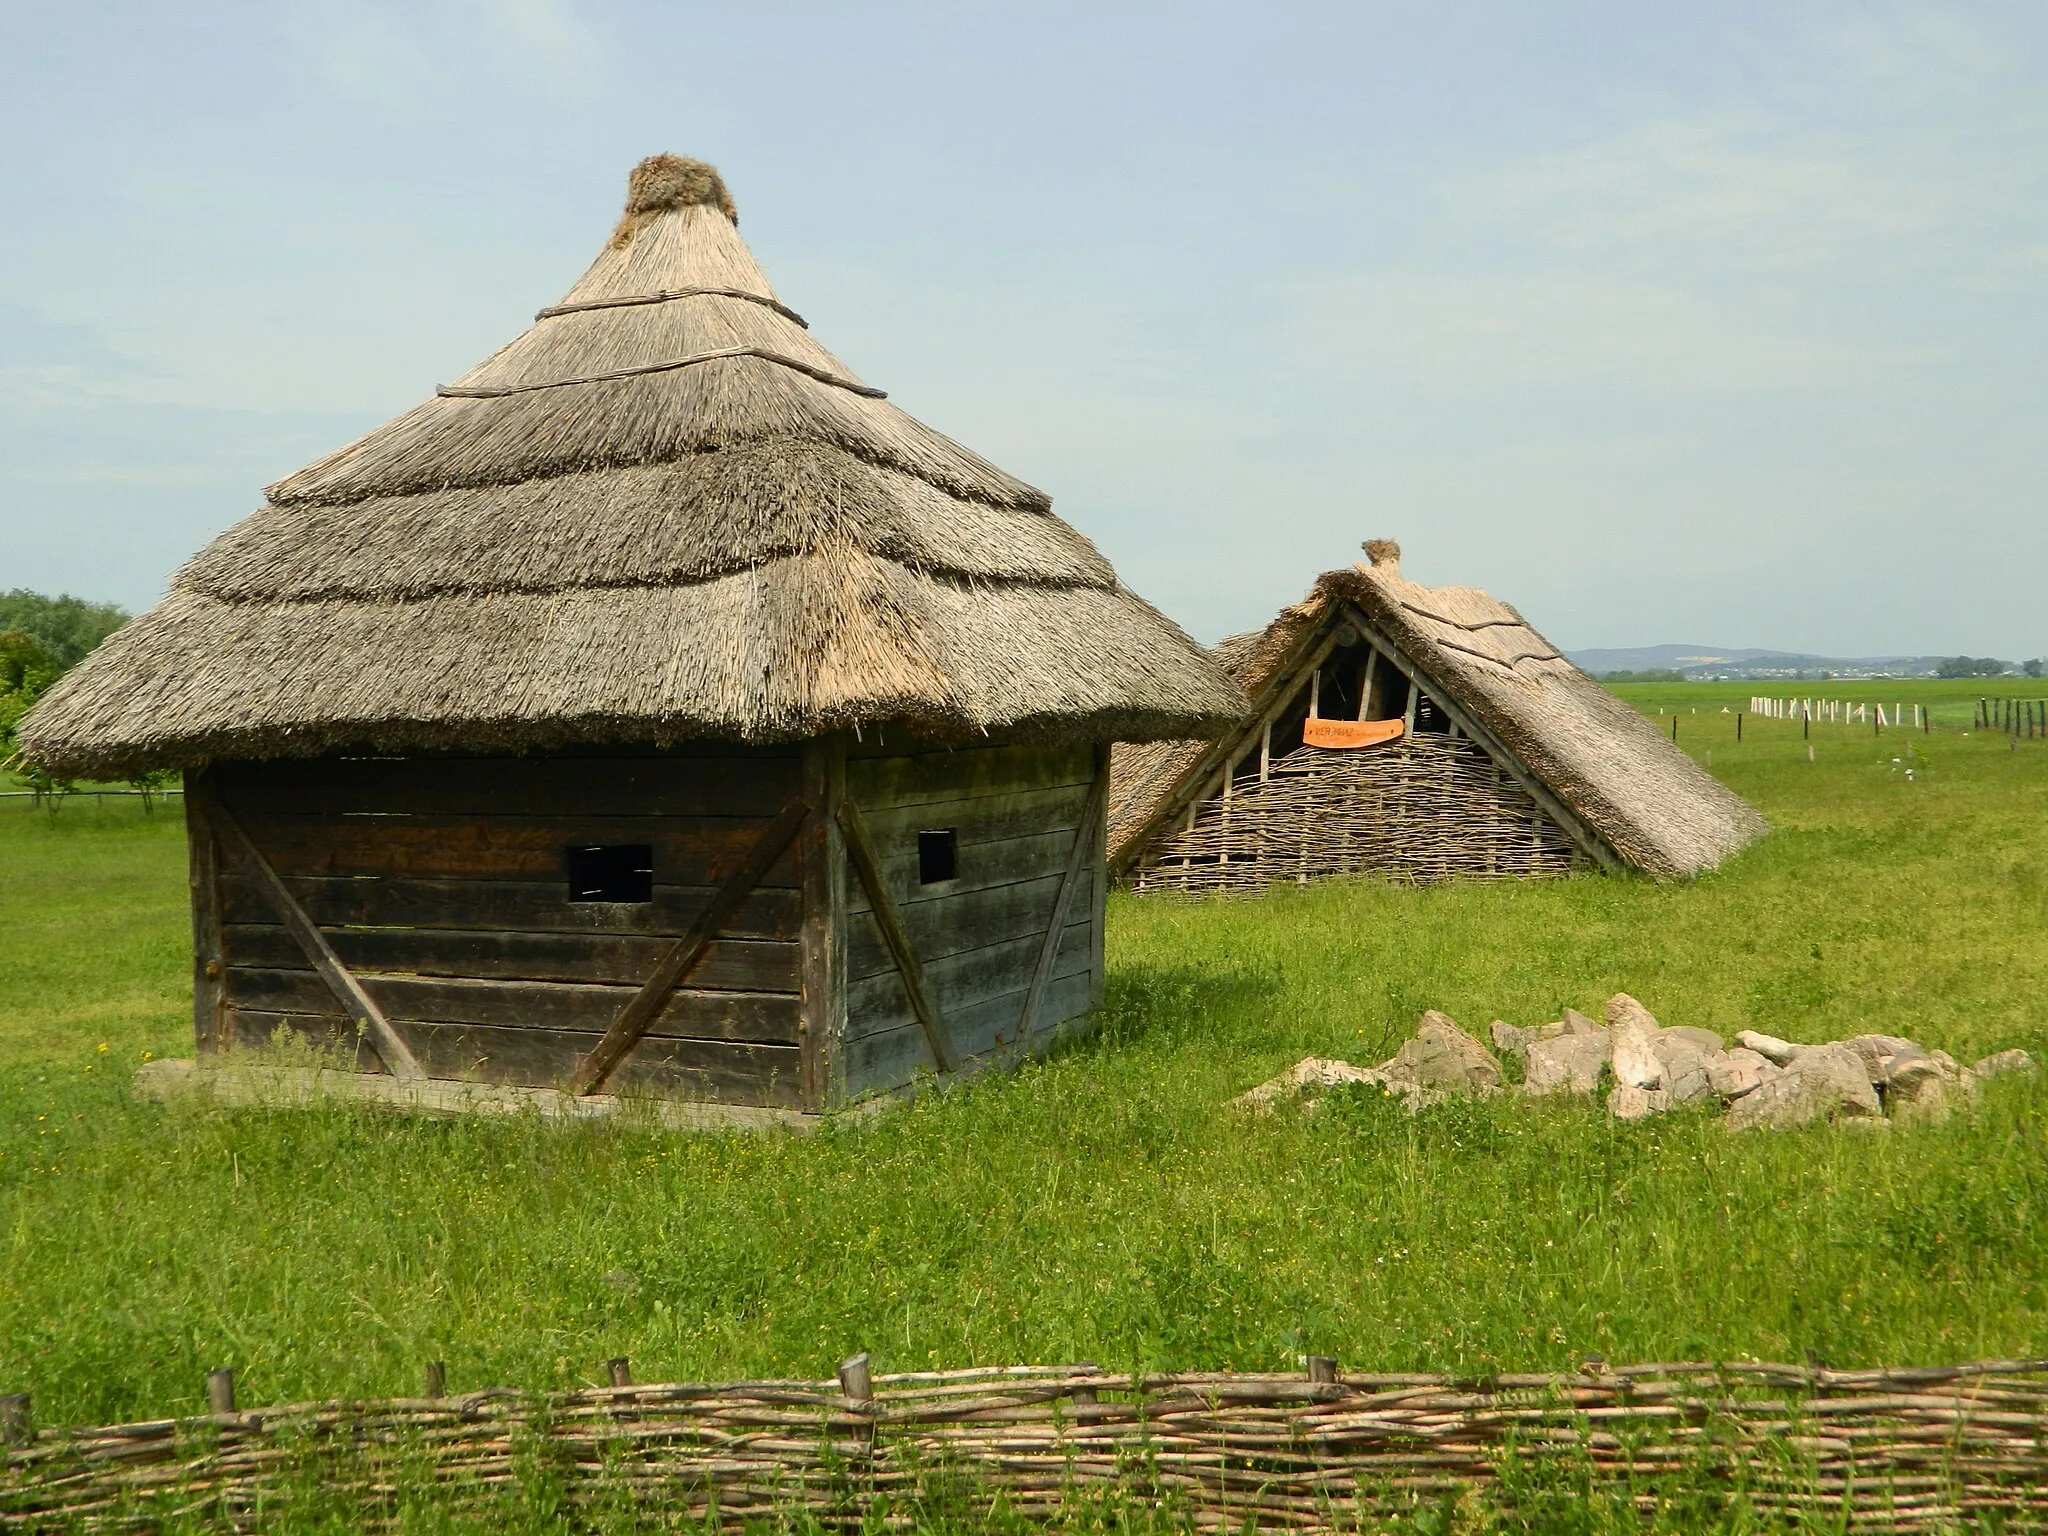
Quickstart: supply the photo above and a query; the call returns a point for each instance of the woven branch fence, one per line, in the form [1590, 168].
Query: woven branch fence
[1881, 1450]
[1429, 807]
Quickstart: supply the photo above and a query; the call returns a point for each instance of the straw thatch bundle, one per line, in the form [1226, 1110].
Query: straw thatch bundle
[1648, 803]
[663, 511]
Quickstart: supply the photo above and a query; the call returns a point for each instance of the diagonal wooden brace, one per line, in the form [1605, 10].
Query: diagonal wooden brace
[1077, 856]
[860, 848]
[356, 1003]
[638, 1016]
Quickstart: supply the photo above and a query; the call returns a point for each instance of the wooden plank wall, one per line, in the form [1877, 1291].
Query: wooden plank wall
[441, 883]
[1016, 810]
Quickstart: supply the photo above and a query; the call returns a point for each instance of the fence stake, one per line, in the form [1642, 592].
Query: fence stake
[1674, 726]
[14, 1419]
[437, 1378]
[1322, 1368]
[1738, 727]
[220, 1390]
[1084, 1397]
[621, 1371]
[854, 1379]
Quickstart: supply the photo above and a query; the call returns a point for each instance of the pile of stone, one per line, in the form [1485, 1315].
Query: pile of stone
[1646, 1069]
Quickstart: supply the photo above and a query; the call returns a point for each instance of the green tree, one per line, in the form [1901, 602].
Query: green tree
[23, 657]
[2032, 668]
[1971, 666]
[66, 627]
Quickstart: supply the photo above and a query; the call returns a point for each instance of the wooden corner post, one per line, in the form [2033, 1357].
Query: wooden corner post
[1099, 897]
[821, 1024]
[209, 956]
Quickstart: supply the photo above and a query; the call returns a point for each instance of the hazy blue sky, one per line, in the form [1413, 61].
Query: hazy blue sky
[1721, 323]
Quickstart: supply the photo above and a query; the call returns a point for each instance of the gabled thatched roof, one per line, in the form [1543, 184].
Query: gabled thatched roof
[1647, 803]
[663, 511]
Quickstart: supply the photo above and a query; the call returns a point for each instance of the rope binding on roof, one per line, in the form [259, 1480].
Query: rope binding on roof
[498, 391]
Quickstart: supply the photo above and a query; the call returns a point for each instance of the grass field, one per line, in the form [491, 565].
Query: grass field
[1105, 1204]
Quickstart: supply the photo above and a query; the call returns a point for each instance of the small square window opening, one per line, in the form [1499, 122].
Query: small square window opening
[938, 855]
[617, 872]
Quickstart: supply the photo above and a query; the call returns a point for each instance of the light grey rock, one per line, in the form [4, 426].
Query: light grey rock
[2000, 1063]
[1576, 1023]
[1951, 1069]
[1509, 1040]
[1636, 1064]
[1823, 1082]
[1628, 1102]
[1565, 1064]
[1309, 1072]
[1705, 1041]
[1920, 1091]
[1777, 1052]
[1623, 1011]
[1318, 1072]
[1731, 1074]
[1441, 1055]
[1686, 1077]
[1881, 1052]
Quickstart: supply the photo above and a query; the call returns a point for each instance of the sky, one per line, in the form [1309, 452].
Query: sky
[1719, 324]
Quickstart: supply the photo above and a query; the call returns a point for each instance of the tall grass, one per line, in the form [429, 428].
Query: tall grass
[1106, 1204]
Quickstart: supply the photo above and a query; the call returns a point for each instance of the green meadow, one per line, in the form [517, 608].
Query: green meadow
[1106, 1204]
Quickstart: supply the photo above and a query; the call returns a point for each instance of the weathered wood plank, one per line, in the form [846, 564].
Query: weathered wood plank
[963, 980]
[895, 739]
[879, 1063]
[909, 978]
[586, 1007]
[877, 782]
[721, 1071]
[734, 965]
[967, 920]
[823, 966]
[525, 906]
[982, 867]
[701, 851]
[983, 819]
[532, 786]
[208, 957]
[1087, 839]
[360, 1007]
[680, 961]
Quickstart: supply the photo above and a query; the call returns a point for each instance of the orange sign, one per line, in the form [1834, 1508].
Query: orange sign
[1342, 734]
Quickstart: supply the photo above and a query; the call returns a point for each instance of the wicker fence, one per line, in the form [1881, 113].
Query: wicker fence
[1427, 808]
[1882, 1450]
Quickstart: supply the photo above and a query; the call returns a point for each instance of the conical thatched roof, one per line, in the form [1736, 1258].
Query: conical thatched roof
[663, 511]
[1648, 803]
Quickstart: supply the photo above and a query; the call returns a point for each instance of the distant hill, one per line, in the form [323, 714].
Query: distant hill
[1704, 662]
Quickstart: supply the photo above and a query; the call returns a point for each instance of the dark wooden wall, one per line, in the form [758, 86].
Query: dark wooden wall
[1017, 811]
[441, 883]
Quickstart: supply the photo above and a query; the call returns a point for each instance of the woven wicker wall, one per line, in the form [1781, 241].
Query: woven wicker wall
[1429, 807]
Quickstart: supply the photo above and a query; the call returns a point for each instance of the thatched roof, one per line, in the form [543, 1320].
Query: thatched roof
[663, 511]
[1645, 801]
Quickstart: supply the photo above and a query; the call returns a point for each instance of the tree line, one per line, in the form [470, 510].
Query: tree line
[42, 638]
